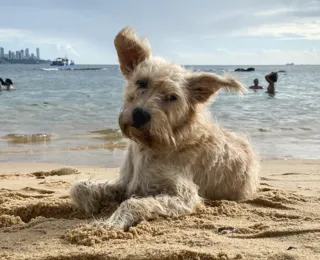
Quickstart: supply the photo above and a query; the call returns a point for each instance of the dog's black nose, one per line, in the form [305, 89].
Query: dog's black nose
[140, 117]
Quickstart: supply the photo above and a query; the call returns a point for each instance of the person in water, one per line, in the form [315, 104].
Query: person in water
[271, 78]
[256, 85]
[7, 83]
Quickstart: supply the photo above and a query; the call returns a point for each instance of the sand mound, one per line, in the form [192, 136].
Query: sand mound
[9, 220]
[89, 235]
[37, 221]
[28, 207]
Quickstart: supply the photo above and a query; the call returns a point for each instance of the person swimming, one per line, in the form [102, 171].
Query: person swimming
[7, 83]
[271, 78]
[256, 85]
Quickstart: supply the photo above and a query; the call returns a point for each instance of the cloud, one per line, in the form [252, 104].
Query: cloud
[297, 20]
[303, 30]
[8, 34]
[249, 57]
[273, 12]
[28, 37]
[222, 50]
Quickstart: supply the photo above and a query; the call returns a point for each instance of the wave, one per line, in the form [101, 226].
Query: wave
[40, 104]
[285, 129]
[50, 69]
[305, 128]
[263, 130]
[107, 146]
[27, 138]
[72, 69]
[108, 134]
[83, 69]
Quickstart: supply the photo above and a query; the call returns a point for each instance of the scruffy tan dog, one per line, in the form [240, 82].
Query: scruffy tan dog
[177, 156]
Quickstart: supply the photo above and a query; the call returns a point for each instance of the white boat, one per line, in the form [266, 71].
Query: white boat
[62, 62]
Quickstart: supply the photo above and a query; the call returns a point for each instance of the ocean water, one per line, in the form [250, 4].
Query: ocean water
[70, 116]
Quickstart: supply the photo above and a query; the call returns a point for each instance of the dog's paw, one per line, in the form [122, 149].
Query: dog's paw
[123, 222]
[106, 223]
[86, 196]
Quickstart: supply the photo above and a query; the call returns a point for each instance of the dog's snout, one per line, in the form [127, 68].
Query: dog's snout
[140, 117]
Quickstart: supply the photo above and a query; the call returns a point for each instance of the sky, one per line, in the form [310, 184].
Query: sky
[208, 32]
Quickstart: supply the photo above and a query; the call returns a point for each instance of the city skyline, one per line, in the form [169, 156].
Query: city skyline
[23, 54]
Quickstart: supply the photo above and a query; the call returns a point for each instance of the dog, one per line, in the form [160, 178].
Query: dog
[177, 157]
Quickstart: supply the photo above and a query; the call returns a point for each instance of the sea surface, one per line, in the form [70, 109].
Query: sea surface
[70, 116]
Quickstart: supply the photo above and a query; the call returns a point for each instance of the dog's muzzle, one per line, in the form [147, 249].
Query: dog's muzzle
[140, 117]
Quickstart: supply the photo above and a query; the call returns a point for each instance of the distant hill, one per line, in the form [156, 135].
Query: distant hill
[25, 61]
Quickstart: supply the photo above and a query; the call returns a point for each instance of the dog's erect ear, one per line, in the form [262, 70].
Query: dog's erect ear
[131, 50]
[201, 85]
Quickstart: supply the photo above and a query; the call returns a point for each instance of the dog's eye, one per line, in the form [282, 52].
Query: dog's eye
[171, 98]
[142, 83]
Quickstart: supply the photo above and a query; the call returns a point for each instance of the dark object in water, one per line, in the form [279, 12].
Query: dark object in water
[8, 82]
[282, 71]
[245, 70]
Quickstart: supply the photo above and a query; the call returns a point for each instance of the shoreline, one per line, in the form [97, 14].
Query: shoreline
[109, 154]
[26, 167]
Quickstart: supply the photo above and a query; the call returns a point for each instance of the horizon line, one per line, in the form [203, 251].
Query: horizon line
[302, 64]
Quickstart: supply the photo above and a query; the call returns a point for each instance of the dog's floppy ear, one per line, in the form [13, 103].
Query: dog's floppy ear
[202, 85]
[131, 50]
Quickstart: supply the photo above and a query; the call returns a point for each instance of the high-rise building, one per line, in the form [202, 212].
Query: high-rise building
[27, 53]
[22, 54]
[1, 52]
[32, 56]
[38, 54]
[10, 55]
[18, 56]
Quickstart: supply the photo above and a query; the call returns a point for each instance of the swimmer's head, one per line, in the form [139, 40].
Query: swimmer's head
[256, 82]
[274, 77]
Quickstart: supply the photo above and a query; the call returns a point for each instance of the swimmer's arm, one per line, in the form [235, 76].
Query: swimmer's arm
[268, 78]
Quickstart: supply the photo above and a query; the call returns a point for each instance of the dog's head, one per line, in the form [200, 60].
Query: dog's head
[161, 97]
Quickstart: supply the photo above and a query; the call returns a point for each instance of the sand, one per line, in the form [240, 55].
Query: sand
[37, 220]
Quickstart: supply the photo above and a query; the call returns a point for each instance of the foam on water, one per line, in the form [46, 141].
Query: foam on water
[71, 69]
[50, 69]
[77, 110]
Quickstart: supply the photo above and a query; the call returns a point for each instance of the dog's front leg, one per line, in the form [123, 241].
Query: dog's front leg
[89, 196]
[134, 210]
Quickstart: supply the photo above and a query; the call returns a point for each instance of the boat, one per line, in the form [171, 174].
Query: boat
[62, 62]
[290, 63]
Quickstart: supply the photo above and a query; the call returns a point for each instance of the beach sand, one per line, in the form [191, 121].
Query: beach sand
[37, 220]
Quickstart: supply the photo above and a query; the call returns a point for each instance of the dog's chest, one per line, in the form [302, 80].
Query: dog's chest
[148, 176]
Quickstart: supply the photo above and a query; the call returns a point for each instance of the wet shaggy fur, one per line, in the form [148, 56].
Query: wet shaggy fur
[178, 156]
